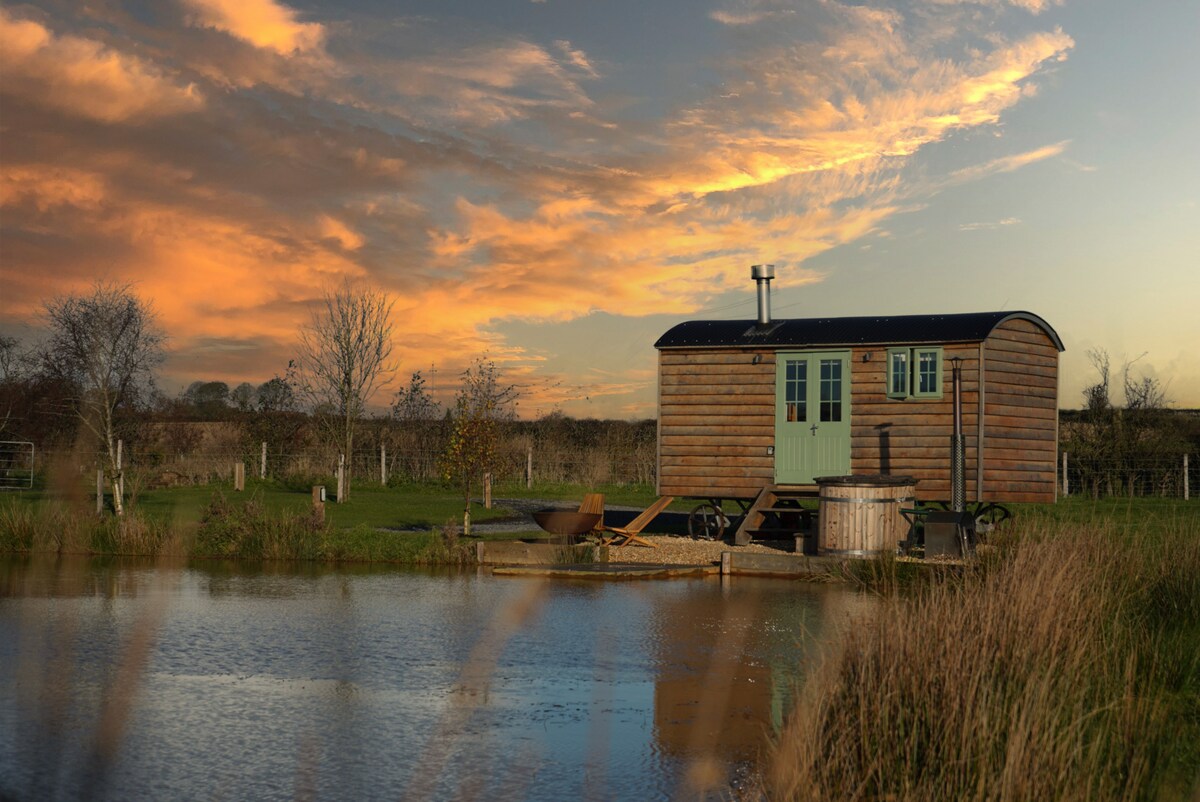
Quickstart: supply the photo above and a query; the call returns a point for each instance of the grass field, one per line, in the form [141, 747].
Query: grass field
[1065, 665]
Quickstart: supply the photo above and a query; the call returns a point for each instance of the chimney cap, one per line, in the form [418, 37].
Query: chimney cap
[761, 272]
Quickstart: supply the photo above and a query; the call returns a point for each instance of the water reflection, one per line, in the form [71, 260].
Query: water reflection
[364, 682]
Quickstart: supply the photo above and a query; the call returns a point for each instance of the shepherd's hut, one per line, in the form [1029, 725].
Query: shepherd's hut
[748, 404]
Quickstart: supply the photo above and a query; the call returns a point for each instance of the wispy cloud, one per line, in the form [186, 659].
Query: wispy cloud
[989, 226]
[1006, 164]
[1032, 6]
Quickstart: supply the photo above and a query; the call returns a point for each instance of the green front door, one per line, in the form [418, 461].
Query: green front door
[812, 416]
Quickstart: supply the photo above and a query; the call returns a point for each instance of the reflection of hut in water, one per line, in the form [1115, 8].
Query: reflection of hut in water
[728, 668]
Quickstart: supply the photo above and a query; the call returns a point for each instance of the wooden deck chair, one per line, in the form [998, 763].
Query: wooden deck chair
[594, 503]
[630, 533]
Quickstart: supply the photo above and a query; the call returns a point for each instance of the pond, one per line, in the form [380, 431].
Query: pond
[128, 680]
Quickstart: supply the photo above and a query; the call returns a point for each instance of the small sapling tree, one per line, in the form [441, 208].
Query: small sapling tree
[481, 408]
[421, 427]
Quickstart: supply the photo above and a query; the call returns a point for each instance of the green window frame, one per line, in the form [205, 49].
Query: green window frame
[914, 372]
[898, 361]
[927, 373]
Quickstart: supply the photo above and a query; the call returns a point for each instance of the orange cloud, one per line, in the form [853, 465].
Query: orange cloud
[262, 23]
[83, 77]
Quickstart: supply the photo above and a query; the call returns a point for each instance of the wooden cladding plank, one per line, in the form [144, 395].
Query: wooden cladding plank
[716, 358]
[867, 420]
[1030, 424]
[719, 394]
[1010, 351]
[870, 399]
[743, 379]
[997, 488]
[1021, 324]
[1036, 337]
[718, 431]
[929, 411]
[720, 472]
[1041, 449]
[1040, 395]
[670, 439]
[927, 452]
[1012, 409]
[719, 405]
[1016, 357]
[705, 490]
[714, 450]
[759, 461]
[744, 412]
[715, 481]
[718, 420]
[1027, 498]
[1006, 372]
[719, 369]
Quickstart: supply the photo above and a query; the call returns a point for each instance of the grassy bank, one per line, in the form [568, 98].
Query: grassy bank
[407, 524]
[1064, 668]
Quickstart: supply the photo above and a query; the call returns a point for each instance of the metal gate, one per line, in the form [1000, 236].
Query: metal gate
[16, 465]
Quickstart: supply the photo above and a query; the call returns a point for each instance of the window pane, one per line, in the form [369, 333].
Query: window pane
[899, 373]
[927, 365]
[796, 390]
[831, 390]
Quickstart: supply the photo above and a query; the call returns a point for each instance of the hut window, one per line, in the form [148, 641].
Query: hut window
[796, 379]
[897, 372]
[831, 390]
[914, 372]
[927, 373]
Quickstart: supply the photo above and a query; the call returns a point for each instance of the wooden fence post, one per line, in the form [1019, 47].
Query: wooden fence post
[119, 482]
[1066, 483]
[341, 478]
[99, 491]
[262, 464]
[1186, 489]
[239, 476]
[318, 503]
[487, 490]
[529, 467]
[383, 464]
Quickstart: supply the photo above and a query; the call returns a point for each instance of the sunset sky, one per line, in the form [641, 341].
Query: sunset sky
[555, 183]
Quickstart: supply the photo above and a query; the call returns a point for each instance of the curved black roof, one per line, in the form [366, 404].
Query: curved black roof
[829, 331]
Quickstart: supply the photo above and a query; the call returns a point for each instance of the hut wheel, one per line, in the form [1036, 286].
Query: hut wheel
[990, 516]
[707, 522]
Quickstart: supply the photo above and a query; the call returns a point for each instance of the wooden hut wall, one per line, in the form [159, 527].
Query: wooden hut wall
[912, 436]
[1021, 413]
[716, 420]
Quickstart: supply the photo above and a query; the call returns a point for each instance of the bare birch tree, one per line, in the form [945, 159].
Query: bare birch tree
[345, 353]
[107, 344]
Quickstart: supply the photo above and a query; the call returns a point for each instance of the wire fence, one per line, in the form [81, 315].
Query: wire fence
[1164, 477]
[378, 466]
[1173, 477]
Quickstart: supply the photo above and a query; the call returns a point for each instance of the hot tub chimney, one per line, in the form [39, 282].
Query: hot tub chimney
[762, 275]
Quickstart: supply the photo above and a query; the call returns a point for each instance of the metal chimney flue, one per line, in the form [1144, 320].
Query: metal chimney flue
[762, 275]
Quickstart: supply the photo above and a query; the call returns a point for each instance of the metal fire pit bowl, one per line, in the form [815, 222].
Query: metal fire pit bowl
[566, 522]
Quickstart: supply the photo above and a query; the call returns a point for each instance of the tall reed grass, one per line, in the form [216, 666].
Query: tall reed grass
[1058, 670]
[60, 529]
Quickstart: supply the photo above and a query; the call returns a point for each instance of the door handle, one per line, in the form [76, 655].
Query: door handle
[814, 430]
